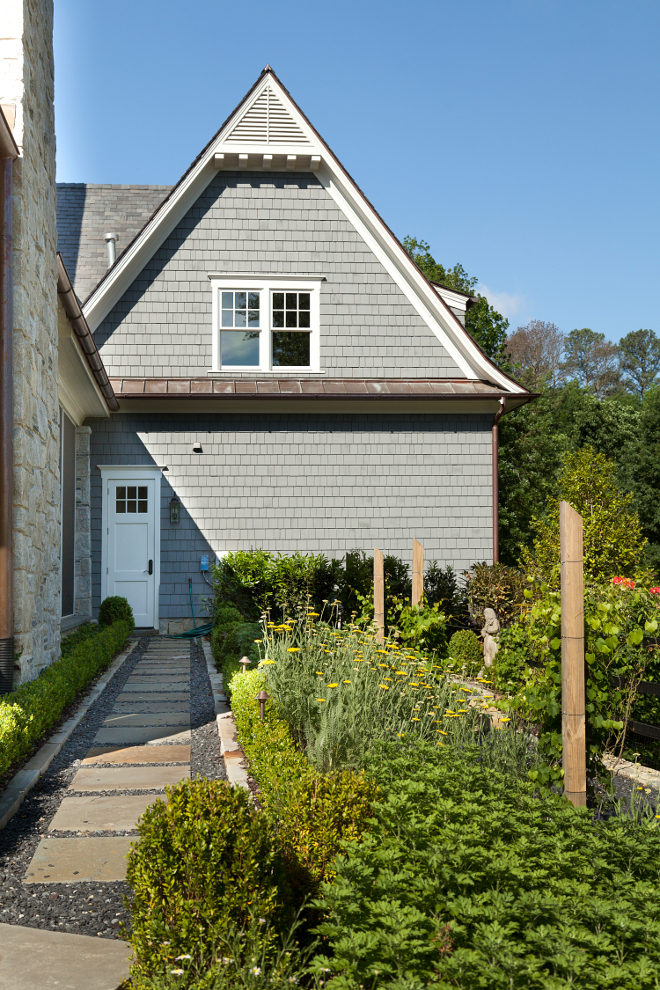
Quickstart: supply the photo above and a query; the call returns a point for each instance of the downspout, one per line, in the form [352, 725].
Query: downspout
[7, 156]
[496, 480]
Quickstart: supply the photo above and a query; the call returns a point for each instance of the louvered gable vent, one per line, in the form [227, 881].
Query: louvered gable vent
[267, 122]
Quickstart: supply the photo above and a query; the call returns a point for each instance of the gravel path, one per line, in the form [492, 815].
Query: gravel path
[90, 908]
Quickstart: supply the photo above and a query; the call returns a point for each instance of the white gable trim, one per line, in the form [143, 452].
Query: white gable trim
[423, 298]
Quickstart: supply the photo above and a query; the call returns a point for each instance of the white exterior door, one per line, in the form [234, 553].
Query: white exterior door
[132, 544]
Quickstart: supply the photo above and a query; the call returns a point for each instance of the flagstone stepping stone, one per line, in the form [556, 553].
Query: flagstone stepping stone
[155, 684]
[137, 736]
[74, 860]
[33, 957]
[154, 707]
[118, 813]
[127, 778]
[137, 754]
[142, 695]
[175, 671]
[175, 719]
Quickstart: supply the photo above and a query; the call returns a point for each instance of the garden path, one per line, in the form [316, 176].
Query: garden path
[140, 742]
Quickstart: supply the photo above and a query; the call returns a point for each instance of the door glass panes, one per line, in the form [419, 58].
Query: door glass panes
[240, 309]
[239, 349]
[291, 310]
[290, 349]
[131, 498]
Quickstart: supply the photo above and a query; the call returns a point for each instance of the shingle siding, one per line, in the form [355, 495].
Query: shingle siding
[310, 482]
[277, 223]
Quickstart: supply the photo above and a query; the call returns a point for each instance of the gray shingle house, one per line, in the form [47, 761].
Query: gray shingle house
[286, 376]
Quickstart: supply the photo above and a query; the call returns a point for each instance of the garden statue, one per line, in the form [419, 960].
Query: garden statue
[489, 632]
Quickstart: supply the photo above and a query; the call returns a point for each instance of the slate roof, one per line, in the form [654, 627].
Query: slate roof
[86, 212]
[303, 387]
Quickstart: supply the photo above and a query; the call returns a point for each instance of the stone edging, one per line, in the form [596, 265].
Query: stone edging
[231, 751]
[644, 776]
[22, 783]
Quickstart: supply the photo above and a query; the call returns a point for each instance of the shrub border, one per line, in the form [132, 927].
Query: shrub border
[24, 780]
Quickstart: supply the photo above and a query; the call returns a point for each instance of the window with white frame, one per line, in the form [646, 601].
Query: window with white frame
[266, 325]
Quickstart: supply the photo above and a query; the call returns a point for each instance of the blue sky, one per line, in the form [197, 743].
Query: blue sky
[518, 137]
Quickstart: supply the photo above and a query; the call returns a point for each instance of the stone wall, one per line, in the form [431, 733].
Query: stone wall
[26, 84]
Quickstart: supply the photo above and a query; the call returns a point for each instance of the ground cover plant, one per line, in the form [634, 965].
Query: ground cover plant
[35, 707]
[467, 879]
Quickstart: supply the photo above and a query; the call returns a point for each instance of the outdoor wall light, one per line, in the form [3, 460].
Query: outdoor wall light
[175, 507]
[197, 448]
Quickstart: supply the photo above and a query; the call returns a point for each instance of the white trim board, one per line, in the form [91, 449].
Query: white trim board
[430, 306]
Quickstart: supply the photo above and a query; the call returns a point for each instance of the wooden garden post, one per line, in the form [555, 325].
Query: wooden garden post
[573, 729]
[417, 573]
[379, 595]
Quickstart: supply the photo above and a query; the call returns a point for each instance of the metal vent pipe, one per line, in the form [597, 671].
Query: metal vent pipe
[111, 241]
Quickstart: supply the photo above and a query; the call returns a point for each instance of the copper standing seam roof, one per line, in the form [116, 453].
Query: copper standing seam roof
[373, 388]
[85, 338]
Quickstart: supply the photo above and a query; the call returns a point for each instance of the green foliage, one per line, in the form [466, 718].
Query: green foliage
[517, 652]
[255, 581]
[33, 708]
[495, 586]
[356, 586]
[340, 692]
[79, 635]
[420, 627]
[116, 609]
[466, 879]
[613, 540]
[486, 326]
[205, 862]
[442, 587]
[233, 638]
[617, 618]
[639, 356]
[312, 813]
[466, 651]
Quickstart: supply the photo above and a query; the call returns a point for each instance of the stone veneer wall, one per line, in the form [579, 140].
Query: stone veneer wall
[26, 83]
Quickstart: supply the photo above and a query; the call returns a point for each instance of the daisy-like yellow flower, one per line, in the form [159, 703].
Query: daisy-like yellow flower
[414, 720]
[383, 664]
[320, 699]
[441, 732]
[382, 651]
[462, 711]
[320, 673]
[347, 682]
[401, 673]
[333, 685]
[257, 641]
[505, 720]
[267, 661]
[293, 649]
[387, 678]
[312, 613]
[385, 687]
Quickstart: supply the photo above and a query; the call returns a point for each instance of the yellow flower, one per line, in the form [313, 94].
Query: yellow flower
[383, 664]
[463, 711]
[448, 711]
[414, 683]
[333, 685]
[440, 731]
[505, 720]
[347, 682]
[401, 673]
[312, 613]
[320, 673]
[414, 720]
[293, 649]
[385, 687]
[320, 699]
[387, 678]
[381, 651]
[257, 641]
[267, 661]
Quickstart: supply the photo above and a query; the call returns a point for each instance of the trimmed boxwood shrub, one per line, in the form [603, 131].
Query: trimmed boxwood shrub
[205, 862]
[231, 639]
[466, 652]
[116, 609]
[33, 708]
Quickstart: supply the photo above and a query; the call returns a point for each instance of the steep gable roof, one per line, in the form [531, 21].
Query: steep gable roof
[269, 131]
[86, 212]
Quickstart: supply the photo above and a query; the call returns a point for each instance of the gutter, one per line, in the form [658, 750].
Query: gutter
[496, 479]
[82, 332]
[8, 152]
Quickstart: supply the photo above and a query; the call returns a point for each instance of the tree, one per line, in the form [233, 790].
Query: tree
[536, 352]
[639, 360]
[613, 540]
[485, 325]
[593, 361]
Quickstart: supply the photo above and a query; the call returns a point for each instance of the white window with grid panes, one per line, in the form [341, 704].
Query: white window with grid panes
[266, 325]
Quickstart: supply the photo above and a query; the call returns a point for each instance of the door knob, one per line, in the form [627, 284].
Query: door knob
[151, 566]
